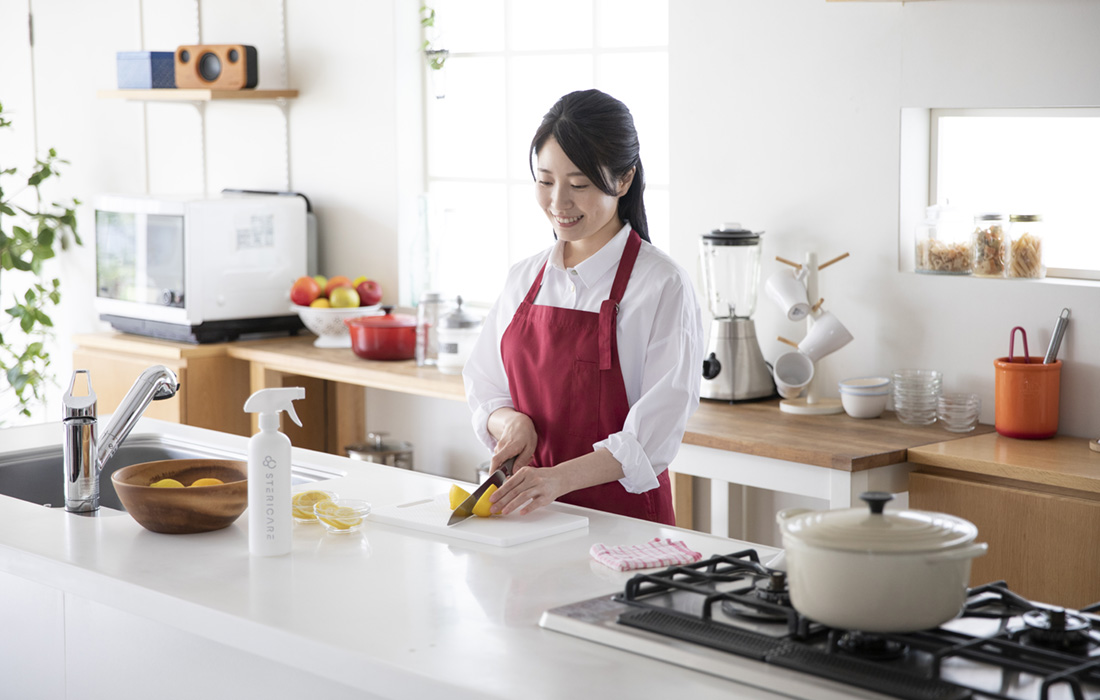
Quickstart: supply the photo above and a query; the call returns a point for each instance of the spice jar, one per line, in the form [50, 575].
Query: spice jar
[943, 244]
[458, 331]
[1025, 247]
[990, 244]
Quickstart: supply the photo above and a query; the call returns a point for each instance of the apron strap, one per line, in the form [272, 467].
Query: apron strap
[609, 309]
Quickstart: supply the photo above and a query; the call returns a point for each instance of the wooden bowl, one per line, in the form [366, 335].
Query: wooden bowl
[179, 511]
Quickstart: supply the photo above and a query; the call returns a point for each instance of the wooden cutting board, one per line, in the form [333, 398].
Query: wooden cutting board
[431, 515]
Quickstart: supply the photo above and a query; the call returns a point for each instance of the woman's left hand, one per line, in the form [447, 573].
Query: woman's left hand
[529, 489]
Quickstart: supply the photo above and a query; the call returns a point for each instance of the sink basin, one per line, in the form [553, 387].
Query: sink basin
[37, 475]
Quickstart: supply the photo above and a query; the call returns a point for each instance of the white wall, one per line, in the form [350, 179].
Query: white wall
[785, 117]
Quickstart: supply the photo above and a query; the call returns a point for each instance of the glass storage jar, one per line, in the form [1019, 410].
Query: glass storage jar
[1025, 247]
[990, 244]
[431, 308]
[458, 331]
[943, 245]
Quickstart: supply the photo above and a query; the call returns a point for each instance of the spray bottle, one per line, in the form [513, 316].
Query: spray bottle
[269, 519]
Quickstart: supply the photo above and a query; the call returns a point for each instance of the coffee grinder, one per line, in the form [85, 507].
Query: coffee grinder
[734, 368]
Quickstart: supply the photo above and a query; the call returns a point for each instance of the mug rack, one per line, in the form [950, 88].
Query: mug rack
[811, 402]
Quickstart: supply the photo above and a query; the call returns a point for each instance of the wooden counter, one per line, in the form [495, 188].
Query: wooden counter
[1035, 502]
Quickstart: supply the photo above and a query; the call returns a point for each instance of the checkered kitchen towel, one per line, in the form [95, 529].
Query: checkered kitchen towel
[657, 552]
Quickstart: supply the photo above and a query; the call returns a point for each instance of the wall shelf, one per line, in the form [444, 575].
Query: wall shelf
[196, 95]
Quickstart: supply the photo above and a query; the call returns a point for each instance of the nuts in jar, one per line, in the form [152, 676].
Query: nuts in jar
[989, 245]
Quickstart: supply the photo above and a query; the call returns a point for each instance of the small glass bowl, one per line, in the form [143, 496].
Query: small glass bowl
[958, 412]
[343, 515]
[302, 503]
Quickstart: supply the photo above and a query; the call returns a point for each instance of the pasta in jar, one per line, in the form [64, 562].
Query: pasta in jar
[989, 245]
[1025, 251]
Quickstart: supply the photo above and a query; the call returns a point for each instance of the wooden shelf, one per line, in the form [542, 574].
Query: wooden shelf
[196, 95]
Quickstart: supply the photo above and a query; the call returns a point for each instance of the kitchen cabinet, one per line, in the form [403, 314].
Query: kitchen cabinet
[32, 648]
[1035, 502]
[196, 95]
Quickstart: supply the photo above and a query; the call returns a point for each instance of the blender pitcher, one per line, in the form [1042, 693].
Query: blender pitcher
[734, 368]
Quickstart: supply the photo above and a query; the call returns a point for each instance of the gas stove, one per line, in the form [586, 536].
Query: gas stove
[731, 616]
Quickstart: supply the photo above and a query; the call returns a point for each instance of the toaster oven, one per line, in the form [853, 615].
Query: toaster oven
[201, 269]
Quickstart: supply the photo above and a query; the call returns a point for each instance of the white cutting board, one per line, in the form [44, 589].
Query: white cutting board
[431, 515]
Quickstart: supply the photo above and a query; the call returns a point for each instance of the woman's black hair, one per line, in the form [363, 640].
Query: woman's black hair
[596, 132]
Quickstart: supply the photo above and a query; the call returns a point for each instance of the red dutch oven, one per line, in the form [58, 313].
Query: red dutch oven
[387, 337]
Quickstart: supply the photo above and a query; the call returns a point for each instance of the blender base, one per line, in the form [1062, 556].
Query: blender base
[820, 407]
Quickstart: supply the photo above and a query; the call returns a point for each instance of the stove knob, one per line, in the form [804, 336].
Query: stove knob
[711, 367]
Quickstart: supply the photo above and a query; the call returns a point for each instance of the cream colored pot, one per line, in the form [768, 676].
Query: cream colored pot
[876, 571]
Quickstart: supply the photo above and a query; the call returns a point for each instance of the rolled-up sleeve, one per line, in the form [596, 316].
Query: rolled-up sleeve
[670, 383]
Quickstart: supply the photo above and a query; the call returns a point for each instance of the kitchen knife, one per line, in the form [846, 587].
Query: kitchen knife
[466, 508]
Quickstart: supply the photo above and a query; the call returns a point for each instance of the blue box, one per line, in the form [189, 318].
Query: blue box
[143, 70]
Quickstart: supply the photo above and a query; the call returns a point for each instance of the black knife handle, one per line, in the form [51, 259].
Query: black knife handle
[507, 466]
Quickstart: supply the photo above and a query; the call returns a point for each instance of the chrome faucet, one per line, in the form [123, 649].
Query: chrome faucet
[84, 454]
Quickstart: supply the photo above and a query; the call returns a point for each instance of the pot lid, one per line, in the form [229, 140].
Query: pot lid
[386, 320]
[873, 530]
[460, 318]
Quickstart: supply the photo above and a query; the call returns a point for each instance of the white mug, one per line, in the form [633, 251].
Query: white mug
[826, 335]
[788, 289]
[792, 372]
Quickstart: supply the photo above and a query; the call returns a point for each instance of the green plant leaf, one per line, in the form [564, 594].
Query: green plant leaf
[5, 209]
[39, 175]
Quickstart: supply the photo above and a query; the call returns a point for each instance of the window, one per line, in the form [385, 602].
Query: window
[1025, 161]
[508, 62]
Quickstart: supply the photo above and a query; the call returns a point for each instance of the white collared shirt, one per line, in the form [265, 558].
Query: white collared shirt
[660, 344]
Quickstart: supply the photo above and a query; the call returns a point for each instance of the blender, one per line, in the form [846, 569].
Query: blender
[733, 368]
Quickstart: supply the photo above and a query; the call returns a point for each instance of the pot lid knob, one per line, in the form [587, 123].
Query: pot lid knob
[877, 500]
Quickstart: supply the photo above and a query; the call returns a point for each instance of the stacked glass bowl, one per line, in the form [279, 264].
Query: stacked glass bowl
[916, 393]
[958, 413]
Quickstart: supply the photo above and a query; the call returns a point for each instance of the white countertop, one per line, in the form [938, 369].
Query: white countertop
[389, 610]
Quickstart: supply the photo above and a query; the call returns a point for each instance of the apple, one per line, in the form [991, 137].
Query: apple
[343, 298]
[334, 282]
[304, 291]
[321, 282]
[370, 293]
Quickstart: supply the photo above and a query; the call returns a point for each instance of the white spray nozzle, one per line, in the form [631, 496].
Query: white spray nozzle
[271, 401]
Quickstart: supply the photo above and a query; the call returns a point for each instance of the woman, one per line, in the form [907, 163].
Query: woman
[588, 365]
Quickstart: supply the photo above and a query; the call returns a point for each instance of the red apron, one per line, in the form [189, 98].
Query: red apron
[563, 371]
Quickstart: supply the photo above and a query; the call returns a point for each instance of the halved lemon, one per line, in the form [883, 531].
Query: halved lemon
[481, 508]
[457, 495]
[166, 484]
[207, 481]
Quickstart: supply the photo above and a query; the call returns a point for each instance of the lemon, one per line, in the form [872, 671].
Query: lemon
[207, 481]
[321, 303]
[302, 503]
[166, 484]
[481, 509]
[457, 495]
[340, 517]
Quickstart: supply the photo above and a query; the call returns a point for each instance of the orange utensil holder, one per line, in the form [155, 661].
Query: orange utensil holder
[1027, 397]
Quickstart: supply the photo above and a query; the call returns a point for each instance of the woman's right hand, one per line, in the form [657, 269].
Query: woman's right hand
[516, 437]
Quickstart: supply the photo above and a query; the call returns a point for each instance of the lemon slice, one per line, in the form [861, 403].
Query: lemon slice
[166, 484]
[341, 517]
[457, 495]
[207, 481]
[302, 503]
[481, 508]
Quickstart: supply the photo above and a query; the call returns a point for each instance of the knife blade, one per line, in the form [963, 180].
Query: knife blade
[466, 508]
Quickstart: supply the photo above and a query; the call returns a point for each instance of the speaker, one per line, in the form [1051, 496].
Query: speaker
[216, 66]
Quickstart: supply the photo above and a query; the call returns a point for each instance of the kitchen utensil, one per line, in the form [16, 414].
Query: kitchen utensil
[734, 368]
[342, 516]
[328, 323]
[864, 385]
[394, 453]
[1056, 337]
[875, 571]
[915, 392]
[432, 307]
[466, 508]
[864, 404]
[793, 371]
[825, 336]
[1026, 394]
[387, 337]
[179, 511]
[458, 331]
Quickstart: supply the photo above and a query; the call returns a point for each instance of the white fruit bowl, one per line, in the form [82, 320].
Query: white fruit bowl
[328, 324]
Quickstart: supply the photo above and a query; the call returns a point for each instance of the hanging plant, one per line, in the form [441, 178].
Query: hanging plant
[436, 57]
[34, 236]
